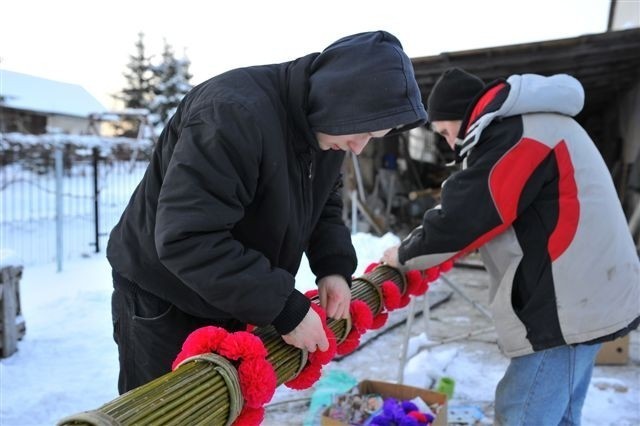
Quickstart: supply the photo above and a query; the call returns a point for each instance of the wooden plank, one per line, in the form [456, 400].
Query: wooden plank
[8, 309]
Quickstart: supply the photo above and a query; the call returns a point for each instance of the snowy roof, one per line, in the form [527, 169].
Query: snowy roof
[31, 93]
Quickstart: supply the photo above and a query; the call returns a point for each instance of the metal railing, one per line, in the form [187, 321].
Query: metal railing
[60, 195]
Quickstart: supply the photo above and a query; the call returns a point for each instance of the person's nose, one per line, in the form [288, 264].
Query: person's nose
[451, 140]
[357, 145]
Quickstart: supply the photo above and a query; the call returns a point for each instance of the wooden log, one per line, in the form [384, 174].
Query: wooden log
[12, 326]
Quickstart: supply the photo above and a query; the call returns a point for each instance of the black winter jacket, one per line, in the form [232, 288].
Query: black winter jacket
[238, 188]
[236, 191]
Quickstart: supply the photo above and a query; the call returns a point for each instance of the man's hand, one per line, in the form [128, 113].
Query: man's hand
[309, 334]
[335, 296]
[390, 257]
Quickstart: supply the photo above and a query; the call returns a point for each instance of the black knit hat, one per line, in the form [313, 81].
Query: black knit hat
[452, 94]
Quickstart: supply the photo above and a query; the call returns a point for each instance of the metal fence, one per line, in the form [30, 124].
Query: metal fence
[61, 195]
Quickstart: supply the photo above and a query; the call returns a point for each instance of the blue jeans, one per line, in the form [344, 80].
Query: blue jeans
[546, 388]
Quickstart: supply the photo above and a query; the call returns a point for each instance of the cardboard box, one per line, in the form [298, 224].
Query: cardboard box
[437, 401]
[615, 352]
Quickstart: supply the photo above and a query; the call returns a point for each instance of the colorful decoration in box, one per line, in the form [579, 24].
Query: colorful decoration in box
[400, 413]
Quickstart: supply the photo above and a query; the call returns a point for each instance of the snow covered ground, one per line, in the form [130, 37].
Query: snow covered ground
[67, 361]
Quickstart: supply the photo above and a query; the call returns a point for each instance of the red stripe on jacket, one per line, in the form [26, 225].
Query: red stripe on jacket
[506, 182]
[569, 208]
[511, 173]
[482, 103]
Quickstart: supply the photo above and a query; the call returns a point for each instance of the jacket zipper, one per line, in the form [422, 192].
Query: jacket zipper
[307, 196]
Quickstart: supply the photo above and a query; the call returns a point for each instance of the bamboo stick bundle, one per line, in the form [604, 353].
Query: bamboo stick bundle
[205, 389]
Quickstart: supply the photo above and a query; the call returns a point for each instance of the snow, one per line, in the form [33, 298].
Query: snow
[67, 361]
[23, 91]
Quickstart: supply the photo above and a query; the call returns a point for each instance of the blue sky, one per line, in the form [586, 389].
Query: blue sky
[88, 42]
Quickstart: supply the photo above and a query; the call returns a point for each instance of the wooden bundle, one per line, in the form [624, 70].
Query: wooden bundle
[205, 390]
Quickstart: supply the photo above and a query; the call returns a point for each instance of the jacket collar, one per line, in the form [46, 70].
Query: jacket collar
[480, 112]
[296, 83]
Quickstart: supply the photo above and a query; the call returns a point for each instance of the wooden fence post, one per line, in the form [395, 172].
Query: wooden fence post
[12, 326]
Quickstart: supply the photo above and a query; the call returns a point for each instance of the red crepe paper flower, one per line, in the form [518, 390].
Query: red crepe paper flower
[404, 300]
[350, 343]
[200, 341]
[257, 381]
[256, 375]
[432, 274]
[446, 266]
[308, 376]
[361, 315]
[371, 267]
[414, 282]
[325, 357]
[311, 293]
[242, 345]
[250, 417]
[379, 320]
[391, 295]
[422, 286]
[313, 369]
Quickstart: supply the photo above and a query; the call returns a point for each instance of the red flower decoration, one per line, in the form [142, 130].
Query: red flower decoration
[414, 283]
[308, 376]
[256, 382]
[361, 315]
[311, 293]
[446, 266]
[350, 343]
[391, 295]
[322, 358]
[432, 274]
[313, 370]
[371, 267]
[250, 417]
[379, 320]
[242, 345]
[256, 375]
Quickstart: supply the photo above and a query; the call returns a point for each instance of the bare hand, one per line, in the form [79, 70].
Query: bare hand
[309, 334]
[390, 257]
[335, 296]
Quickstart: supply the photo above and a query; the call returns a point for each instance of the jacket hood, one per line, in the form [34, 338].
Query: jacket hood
[520, 94]
[363, 83]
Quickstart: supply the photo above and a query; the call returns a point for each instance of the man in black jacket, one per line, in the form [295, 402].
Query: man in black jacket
[245, 178]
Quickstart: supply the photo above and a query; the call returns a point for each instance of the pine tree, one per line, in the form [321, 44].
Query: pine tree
[138, 93]
[171, 83]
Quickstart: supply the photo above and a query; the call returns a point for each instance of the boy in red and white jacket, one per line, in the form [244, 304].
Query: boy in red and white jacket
[536, 198]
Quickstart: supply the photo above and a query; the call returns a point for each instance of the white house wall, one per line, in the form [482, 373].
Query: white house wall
[626, 15]
[69, 125]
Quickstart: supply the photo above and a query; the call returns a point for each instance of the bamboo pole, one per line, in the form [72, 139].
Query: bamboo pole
[205, 389]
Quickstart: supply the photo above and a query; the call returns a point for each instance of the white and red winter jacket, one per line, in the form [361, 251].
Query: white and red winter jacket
[536, 198]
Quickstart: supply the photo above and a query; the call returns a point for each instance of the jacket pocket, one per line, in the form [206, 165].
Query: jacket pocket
[150, 309]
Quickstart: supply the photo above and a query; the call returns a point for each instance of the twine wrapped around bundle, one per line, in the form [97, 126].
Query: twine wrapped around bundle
[205, 389]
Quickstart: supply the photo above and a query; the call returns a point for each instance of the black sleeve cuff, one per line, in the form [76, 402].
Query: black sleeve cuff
[295, 308]
[402, 255]
[334, 265]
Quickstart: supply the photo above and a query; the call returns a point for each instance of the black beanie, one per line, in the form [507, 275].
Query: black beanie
[452, 94]
[363, 83]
